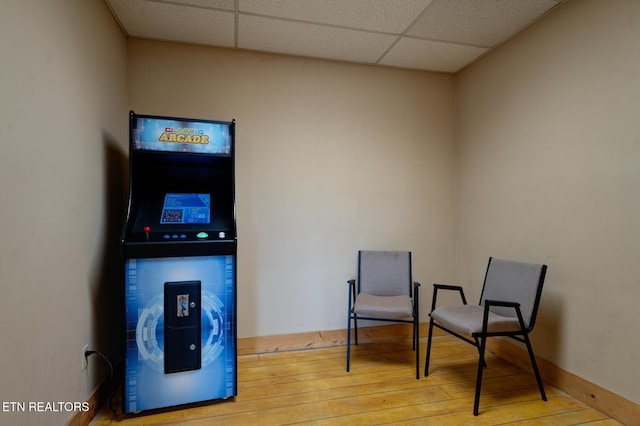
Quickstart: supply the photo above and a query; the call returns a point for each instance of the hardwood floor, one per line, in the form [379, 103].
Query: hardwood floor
[312, 387]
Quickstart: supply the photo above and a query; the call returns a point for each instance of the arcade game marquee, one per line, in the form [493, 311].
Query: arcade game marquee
[179, 243]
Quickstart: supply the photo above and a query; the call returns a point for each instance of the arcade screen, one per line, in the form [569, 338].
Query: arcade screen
[185, 209]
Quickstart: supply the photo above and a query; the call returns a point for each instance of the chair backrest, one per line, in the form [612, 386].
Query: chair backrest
[512, 281]
[384, 273]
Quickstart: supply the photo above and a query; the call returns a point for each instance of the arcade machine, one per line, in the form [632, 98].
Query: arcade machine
[179, 243]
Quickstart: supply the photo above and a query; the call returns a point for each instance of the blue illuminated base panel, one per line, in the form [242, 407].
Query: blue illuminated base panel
[204, 282]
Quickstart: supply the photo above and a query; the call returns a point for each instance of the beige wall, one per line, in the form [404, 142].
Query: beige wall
[548, 171]
[331, 158]
[63, 133]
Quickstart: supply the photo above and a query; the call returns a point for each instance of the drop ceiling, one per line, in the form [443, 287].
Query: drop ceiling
[433, 35]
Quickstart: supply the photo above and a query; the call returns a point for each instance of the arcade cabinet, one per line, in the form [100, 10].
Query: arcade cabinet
[179, 243]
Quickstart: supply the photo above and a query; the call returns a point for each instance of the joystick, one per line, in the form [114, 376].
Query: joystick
[146, 230]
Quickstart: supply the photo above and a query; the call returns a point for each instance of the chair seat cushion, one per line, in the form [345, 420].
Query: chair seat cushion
[388, 307]
[467, 319]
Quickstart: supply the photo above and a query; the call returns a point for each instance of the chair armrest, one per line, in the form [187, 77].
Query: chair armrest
[416, 300]
[352, 292]
[437, 287]
[489, 303]
[501, 303]
[448, 287]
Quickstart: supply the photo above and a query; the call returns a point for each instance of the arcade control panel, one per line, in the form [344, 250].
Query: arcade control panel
[178, 242]
[184, 235]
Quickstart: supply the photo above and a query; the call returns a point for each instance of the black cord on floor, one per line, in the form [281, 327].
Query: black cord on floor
[87, 354]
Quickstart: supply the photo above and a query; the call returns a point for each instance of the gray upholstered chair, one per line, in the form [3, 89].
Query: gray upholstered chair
[384, 292]
[508, 307]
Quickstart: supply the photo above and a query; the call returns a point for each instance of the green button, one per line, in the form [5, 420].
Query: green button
[202, 235]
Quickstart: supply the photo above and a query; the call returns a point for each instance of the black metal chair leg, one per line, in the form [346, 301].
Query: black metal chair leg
[534, 364]
[426, 364]
[348, 342]
[484, 363]
[476, 401]
[355, 328]
[416, 344]
[413, 338]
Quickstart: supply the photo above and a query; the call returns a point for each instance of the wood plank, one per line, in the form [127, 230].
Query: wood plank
[586, 415]
[502, 414]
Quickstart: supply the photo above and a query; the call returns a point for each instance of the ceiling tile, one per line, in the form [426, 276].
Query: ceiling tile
[431, 55]
[479, 23]
[211, 4]
[297, 38]
[174, 22]
[392, 16]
